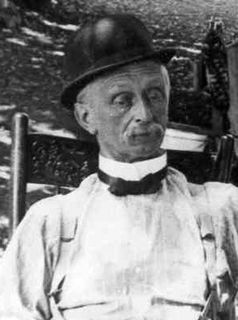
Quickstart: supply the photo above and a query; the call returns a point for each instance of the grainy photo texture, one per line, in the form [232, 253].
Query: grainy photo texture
[118, 162]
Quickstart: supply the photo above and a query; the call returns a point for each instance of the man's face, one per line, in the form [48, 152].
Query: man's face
[128, 111]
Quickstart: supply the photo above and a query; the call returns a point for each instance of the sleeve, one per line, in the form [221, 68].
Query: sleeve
[27, 265]
[223, 204]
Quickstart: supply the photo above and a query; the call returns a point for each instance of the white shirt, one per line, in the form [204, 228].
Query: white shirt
[123, 256]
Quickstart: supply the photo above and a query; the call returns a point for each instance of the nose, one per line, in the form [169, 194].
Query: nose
[143, 111]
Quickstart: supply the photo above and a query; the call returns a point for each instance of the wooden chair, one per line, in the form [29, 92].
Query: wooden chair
[45, 159]
[40, 158]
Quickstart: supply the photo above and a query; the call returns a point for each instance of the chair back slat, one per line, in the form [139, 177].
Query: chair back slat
[59, 161]
[65, 162]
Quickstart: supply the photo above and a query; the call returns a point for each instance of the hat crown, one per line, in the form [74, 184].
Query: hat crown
[103, 46]
[117, 36]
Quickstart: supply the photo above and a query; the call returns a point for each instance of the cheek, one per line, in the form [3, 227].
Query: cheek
[162, 118]
[109, 125]
[161, 114]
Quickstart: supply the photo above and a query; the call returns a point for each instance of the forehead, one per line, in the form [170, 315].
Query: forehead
[146, 71]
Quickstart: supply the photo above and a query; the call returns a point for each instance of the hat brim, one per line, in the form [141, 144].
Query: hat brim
[70, 92]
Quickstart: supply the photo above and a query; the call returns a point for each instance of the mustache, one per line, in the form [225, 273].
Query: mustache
[145, 129]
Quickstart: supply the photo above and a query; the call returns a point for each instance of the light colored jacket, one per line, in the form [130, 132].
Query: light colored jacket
[115, 248]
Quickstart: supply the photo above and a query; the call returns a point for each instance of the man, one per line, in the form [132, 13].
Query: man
[136, 240]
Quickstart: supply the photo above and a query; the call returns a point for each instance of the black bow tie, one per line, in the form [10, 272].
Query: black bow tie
[120, 187]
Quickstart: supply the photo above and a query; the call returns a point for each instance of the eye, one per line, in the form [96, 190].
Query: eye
[123, 100]
[155, 95]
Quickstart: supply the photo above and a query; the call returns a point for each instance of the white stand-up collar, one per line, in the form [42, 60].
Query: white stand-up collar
[132, 171]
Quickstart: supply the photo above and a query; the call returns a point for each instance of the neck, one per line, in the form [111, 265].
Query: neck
[132, 171]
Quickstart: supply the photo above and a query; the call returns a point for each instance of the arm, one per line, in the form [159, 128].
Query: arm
[218, 203]
[27, 266]
[223, 203]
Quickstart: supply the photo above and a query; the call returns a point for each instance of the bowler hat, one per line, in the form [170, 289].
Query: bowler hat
[104, 45]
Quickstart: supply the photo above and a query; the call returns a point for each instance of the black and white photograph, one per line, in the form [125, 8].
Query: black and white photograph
[119, 160]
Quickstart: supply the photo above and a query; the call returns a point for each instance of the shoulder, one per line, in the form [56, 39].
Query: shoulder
[42, 211]
[42, 220]
[219, 196]
[223, 205]
[175, 177]
[52, 206]
[218, 199]
[222, 193]
[58, 214]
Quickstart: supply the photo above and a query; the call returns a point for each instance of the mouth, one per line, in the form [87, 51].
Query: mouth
[145, 135]
[141, 134]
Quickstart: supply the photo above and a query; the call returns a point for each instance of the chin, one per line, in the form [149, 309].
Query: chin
[142, 147]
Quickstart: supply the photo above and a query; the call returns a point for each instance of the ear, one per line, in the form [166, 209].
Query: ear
[84, 116]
